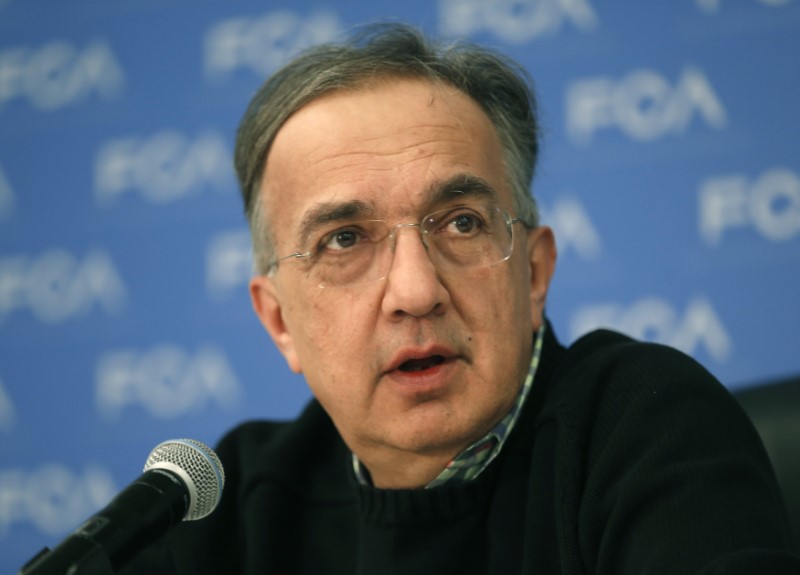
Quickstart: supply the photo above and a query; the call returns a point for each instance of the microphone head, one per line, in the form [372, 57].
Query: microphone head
[199, 468]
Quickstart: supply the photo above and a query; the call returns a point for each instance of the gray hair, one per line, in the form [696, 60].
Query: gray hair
[498, 85]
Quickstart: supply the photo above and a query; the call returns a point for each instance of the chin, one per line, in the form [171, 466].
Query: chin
[435, 437]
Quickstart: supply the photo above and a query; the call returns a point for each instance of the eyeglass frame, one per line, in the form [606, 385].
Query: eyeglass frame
[273, 266]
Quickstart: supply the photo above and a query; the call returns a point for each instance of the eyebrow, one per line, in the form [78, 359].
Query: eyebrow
[458, 186]
[326, 212]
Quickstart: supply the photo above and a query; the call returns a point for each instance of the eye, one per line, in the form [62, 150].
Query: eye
[463, 223]
[341, 240]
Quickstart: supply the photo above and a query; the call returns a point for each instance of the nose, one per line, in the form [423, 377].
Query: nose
[413, 286]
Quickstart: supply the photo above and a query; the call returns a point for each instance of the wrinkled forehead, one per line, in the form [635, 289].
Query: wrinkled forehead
[389, 144]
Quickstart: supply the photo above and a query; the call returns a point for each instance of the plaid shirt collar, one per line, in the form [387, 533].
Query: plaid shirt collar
[471, 462]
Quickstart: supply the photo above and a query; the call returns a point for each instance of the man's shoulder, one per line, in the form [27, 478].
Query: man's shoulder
[610, 384]
[638, 435]
[604, 358]
[290, 452]
[605, 374]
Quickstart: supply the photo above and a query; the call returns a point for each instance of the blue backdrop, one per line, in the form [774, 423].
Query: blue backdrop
[670, 172]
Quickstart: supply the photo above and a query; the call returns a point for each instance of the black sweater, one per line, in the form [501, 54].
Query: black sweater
[629, 458]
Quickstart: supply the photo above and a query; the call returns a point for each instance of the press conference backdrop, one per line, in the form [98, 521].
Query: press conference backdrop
[670, 172]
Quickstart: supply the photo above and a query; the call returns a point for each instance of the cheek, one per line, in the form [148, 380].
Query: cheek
[496, 299]
[335, 332]
[521, 285]
[338, 344]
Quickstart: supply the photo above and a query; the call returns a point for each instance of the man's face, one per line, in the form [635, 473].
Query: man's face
[390, 147]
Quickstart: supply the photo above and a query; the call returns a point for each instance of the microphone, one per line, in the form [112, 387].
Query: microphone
[182, 481]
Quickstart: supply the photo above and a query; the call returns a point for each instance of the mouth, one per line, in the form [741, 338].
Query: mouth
[421, 364]
[423, 372]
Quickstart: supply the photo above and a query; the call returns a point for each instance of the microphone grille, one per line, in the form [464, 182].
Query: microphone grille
[200, 467]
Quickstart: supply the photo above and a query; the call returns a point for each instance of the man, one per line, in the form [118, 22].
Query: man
[402, 270]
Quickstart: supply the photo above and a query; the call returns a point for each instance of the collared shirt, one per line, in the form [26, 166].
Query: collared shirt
[471, 462]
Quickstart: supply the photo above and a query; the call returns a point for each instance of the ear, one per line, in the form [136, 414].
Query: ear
[266, 303]
[542, 255]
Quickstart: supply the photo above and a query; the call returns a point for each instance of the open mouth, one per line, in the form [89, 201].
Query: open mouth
[421, 363]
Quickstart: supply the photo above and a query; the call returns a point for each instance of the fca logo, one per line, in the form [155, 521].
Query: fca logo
[515, 20]
[643, 105]
[769, 203]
